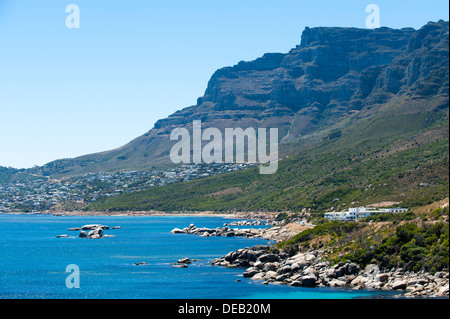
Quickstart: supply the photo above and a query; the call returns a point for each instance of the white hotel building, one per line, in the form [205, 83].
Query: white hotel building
[355, 214]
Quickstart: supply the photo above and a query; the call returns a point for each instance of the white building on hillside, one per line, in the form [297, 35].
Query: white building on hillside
[355, 214]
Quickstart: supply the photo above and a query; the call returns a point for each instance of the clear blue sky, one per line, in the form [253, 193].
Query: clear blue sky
[69, 92]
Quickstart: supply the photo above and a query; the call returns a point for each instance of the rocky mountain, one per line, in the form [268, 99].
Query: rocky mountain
[332, 80]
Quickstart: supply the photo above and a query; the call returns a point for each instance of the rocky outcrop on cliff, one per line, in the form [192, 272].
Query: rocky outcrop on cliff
[333, 73]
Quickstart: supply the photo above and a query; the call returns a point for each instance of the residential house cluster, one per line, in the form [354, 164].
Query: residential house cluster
[39, 193]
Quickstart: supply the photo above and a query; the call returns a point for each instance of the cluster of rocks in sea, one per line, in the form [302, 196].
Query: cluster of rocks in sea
[311, 270]
[183, 262]
[141, 263]
[224, 231]
[274, 233]
[95, 231]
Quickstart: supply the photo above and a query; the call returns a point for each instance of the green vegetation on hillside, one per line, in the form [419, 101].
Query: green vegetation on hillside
[336, 172]
[336, 230]
[396, 151]
[6, 174]
[410, 244]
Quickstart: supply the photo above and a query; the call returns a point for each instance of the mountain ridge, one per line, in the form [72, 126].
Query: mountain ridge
[384, 138]
[333, 76]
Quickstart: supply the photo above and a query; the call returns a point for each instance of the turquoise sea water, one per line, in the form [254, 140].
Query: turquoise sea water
[33, 262]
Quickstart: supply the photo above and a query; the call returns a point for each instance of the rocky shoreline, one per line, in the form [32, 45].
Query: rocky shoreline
[311, 270]
[275, 233]
[221, 232]
[262, 216]
[250, 223]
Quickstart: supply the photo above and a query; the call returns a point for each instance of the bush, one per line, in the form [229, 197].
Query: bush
[280, 217]
[411, 247]
[391, 217]
[416, 248]
[335, 229]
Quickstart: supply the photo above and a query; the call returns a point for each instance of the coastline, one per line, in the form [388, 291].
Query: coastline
[262, 216]
[124, 214]
[308, 269]
[305, 269]
[275, 233]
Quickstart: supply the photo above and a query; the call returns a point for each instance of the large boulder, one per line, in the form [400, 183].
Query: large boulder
[241, 263]
[399, 285]
[382, 277]
[231, 256]
[359, 281]
[281, 277]
[94, 227]
[337, 283]
[371, 271]
[270, 275]
[184, 261]
[330, 273]
[89, 227]
[310, 271]
[295, 267]
[441, 275]
[250, 272]
[352, 269]
[268, 258]
[284, 270]
[270, 267]
[308, 281]
[258, 276]
[96, 233]
[374, 284]
[444, 291]
[250, 255]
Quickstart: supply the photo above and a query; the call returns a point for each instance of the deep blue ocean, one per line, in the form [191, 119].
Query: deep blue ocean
[33, 262]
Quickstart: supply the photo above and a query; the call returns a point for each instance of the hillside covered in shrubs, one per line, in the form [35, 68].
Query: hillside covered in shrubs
[410, 241]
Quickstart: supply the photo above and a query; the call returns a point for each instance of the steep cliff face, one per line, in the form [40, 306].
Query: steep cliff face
[334, 75]
[310, 86]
